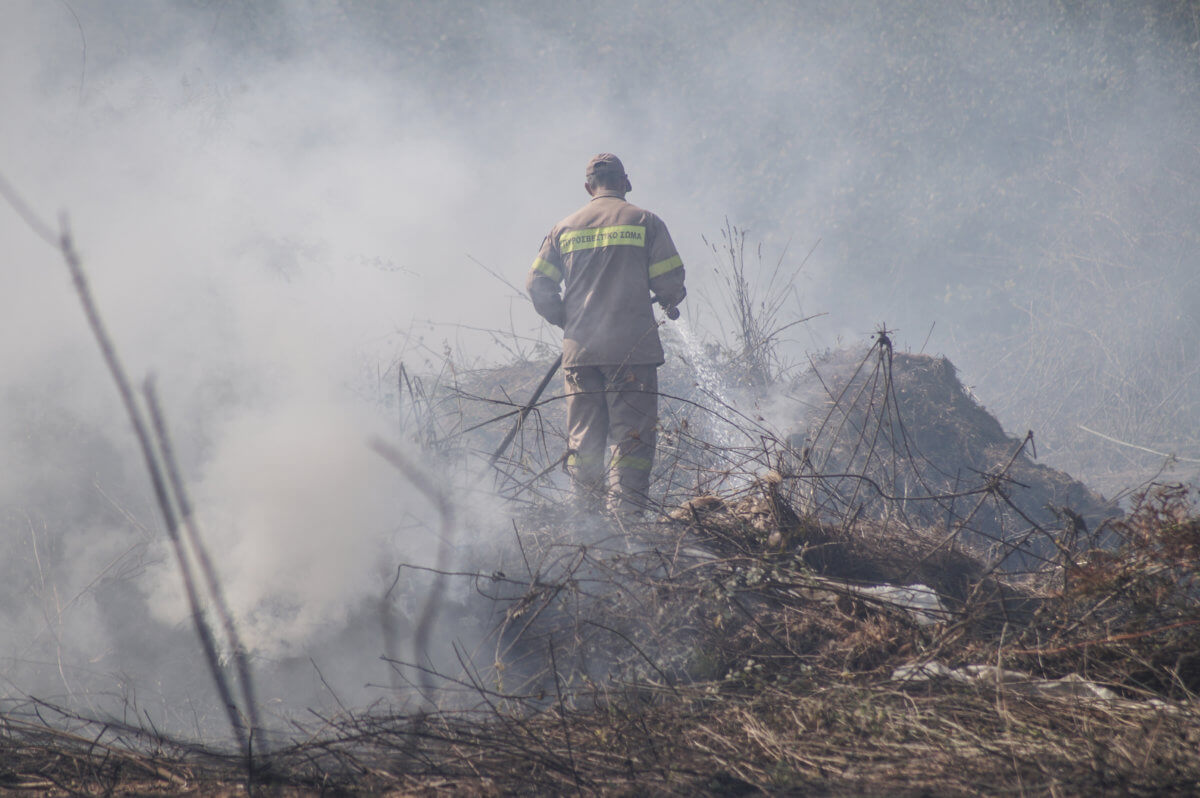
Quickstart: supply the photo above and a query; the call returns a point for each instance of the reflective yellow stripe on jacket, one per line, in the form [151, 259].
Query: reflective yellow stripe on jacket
[664, 266]
[547, 268]
[621, 235]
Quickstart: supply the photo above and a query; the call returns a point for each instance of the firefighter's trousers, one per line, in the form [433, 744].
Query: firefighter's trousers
[617, 405]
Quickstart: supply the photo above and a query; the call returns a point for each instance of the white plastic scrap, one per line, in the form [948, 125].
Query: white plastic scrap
[1070, 686]
[927, 672]
[921, 601]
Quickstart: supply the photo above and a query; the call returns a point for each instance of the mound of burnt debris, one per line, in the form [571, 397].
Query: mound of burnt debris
[893, 435]
[864, 433]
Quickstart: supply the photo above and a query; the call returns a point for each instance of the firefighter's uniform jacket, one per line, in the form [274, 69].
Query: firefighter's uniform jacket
[609, 257]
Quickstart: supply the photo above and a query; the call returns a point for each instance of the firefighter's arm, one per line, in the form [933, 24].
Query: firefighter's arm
[543, 281]
[666, 269]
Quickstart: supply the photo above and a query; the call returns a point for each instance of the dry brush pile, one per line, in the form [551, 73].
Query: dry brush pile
[772, 628]
[690, 654]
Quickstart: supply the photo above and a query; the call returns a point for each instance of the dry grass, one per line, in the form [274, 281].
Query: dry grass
[733, 645]
[728, 647]
[698, 661]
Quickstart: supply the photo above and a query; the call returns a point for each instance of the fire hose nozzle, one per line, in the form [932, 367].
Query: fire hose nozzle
[672, 311]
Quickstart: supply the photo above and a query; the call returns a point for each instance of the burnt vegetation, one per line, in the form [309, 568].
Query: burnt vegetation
[756, 636]
[886, 594]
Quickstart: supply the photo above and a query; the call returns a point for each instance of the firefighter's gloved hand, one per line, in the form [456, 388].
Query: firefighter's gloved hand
[668, 307]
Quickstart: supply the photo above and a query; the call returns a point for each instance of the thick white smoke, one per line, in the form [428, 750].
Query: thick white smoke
[278, 202]
[263, 246]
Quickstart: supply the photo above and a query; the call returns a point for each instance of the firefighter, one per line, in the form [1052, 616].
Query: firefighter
[594, 278]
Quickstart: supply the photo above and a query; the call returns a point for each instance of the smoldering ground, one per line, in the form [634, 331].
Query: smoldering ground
[278, 203]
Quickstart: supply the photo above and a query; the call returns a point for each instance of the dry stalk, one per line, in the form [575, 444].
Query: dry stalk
[168, 501]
